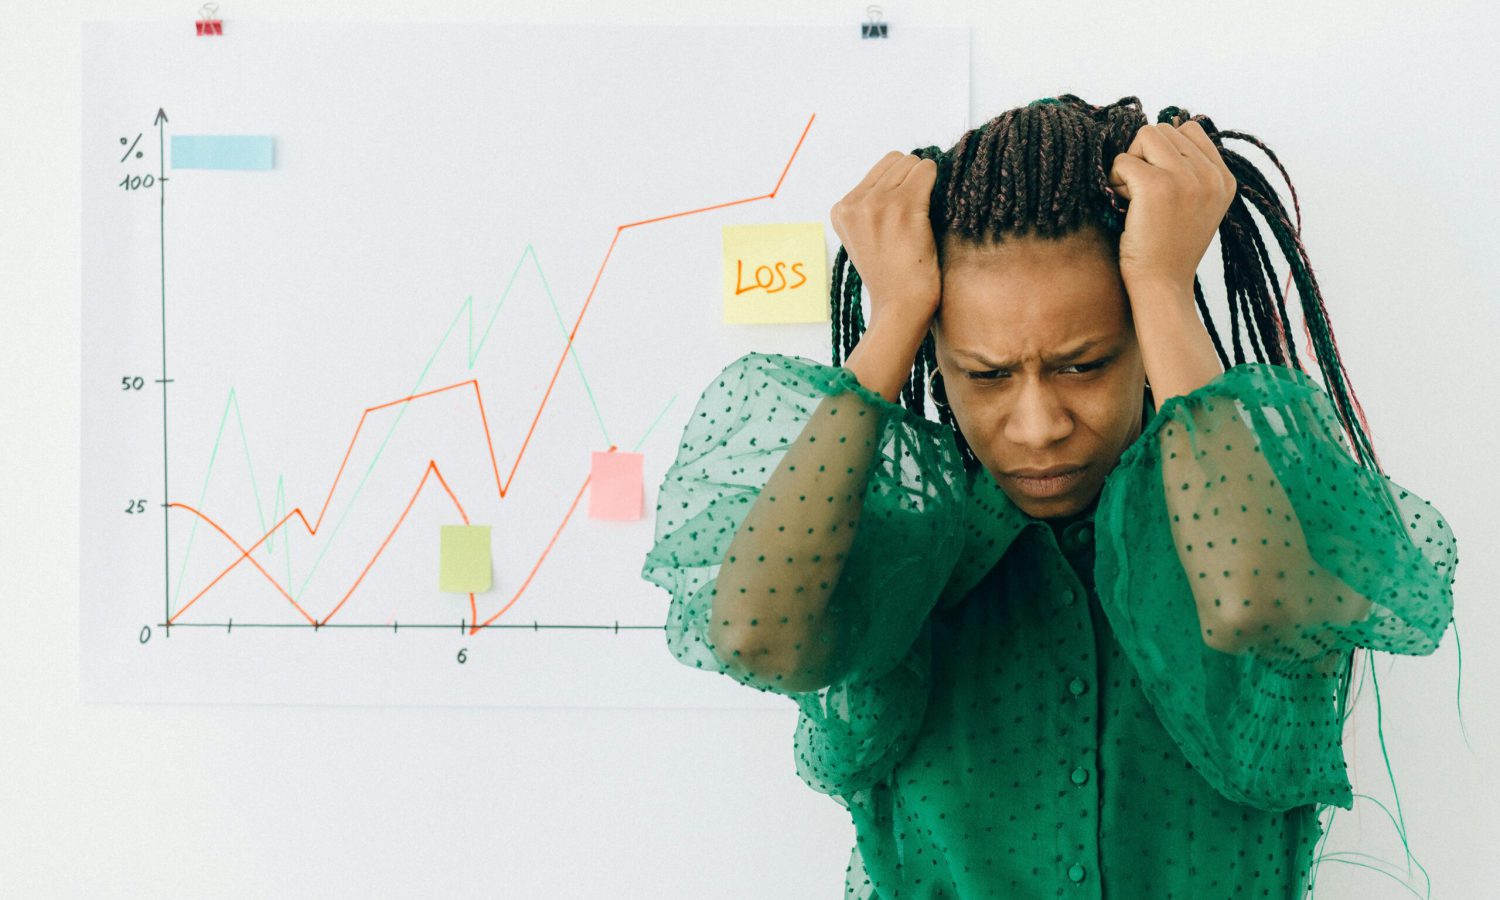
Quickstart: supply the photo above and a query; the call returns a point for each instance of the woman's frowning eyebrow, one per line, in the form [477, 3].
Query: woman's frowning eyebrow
[1066, 356]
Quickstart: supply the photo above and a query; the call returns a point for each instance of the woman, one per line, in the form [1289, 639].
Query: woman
[1091, 633]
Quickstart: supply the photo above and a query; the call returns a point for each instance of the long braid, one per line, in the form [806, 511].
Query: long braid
[1208, 320]
[837, 319]
[1237, 223]
[1283, 340]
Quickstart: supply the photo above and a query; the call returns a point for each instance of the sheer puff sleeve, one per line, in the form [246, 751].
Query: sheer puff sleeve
[1243, 555]
[893, 477]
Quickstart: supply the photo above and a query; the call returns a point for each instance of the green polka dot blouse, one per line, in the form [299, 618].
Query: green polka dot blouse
[1142, 701]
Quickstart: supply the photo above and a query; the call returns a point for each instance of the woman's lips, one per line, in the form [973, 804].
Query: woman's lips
[1047, 487]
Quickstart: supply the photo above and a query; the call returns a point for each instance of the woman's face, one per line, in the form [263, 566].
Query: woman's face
[1010, 317]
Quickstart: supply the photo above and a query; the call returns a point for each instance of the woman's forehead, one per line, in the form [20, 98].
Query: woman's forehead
[1041, 311]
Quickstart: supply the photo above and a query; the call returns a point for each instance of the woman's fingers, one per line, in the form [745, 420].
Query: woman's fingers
[1125, 164]
[921, 176]
[892, 177]
[877, 171]
[1158, 147]
[1168, 146]
[1194, 133]
[1190, 149]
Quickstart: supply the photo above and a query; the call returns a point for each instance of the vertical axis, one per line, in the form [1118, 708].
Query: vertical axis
[166, 512]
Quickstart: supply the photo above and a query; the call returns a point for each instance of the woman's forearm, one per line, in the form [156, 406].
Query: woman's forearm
[770, 607]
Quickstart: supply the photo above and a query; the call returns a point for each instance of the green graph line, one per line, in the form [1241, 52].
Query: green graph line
[192, 531]
[653, 424]
[245, 442]
[278, 510]
[572, 347]
[473, 351]
[278, 507]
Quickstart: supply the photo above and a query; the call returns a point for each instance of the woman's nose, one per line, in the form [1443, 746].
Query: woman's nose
[1039, 417]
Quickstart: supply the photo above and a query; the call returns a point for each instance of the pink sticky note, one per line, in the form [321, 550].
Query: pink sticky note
[615, 486]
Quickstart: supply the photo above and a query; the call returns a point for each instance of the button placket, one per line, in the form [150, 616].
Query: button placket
[1060, 582]
[1075, 547]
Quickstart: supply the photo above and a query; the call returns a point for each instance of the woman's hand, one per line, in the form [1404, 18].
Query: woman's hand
[1179, 190]
[884, 226]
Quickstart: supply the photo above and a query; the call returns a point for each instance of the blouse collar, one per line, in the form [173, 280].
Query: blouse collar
[992, 522]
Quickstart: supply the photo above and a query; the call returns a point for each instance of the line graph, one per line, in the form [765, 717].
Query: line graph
[502, 487]
[481, 265]
[312, 528]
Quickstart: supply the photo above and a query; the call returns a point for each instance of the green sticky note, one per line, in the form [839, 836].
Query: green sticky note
[465, 565]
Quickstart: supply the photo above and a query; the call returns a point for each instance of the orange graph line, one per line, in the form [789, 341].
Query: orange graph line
[244, 554]
[561, 525]
[597, 275]
[432, 468]
[502, 489]
[312, 529]
[333, 487]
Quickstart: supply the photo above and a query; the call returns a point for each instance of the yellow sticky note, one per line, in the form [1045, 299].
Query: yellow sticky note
[775, 273]
[616, 490]
[465, 557]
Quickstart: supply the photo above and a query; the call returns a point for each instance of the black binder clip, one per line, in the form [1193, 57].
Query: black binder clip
[874, 28]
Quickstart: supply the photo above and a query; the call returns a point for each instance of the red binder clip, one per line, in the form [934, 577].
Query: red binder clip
[208, 20]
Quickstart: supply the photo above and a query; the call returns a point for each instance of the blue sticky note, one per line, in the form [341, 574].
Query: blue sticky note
[221, 151]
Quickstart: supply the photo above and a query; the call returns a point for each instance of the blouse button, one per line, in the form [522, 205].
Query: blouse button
[1080, 775]
[1080, 536]
[1077, 686]
[1075, 873]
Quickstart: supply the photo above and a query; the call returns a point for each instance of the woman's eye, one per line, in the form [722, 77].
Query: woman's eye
[992, 375]
[1089, 367]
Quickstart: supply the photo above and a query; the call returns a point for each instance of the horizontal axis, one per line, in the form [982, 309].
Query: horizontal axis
[463, 626]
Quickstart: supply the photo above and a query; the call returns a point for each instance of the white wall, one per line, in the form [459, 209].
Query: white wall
[1386, 123]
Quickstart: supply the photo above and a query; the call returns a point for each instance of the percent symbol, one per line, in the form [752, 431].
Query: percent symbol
[138, 153]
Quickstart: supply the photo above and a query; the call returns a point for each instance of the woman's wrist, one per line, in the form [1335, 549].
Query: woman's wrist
[883, 358]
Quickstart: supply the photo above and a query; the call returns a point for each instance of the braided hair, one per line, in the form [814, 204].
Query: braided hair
[1042, 169]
